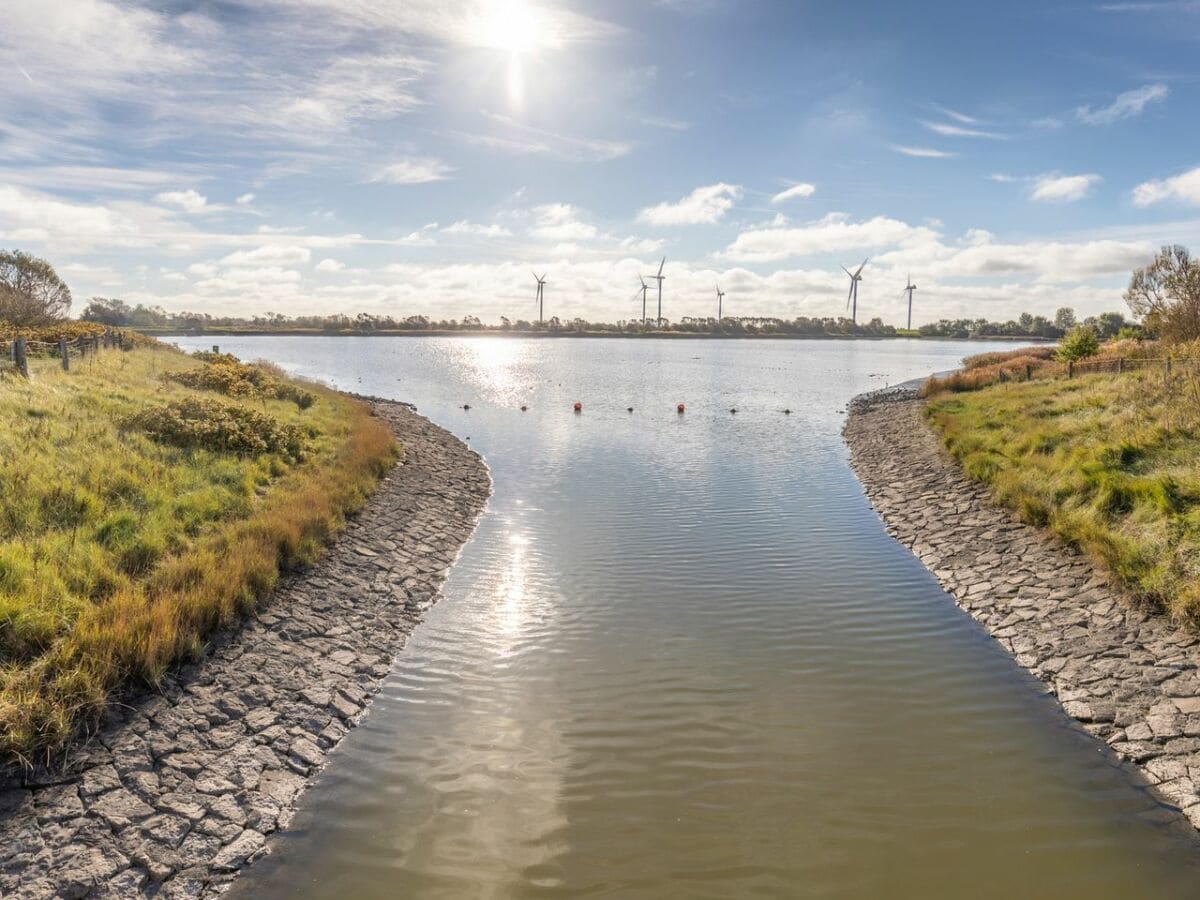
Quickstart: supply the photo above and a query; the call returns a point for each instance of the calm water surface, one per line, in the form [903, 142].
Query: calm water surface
[681, 658]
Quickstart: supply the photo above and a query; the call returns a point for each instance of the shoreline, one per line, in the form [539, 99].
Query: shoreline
[179, 789]
[566, 334]
[1127, 676]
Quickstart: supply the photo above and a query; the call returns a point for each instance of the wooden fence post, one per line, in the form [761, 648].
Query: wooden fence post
[65, 354]
[20, 358]
[1120, 364]
[1028, 372]
[216, 349]
[1070, 368]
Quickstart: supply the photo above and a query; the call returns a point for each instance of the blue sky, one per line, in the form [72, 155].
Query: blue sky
[304, 156]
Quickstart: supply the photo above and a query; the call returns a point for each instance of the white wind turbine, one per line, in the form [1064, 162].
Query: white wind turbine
[852, 297]
[909, 287]
[541, 292]
[645, 287]
[659, 278]
[720, 297]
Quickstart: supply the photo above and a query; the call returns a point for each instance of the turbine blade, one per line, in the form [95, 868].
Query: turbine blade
[863, 266]
[661, 264]
[847, 271]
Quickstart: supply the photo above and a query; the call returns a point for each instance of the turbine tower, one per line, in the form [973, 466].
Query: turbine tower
[909, 287]
[720, 297]
[659, 278]
[645, 287]
[541, 292]
[852, 297]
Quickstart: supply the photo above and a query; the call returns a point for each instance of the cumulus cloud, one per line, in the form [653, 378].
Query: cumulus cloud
[1184, 187]
[413, 170]
[1063, 188]
[189, 201]
[1125, 106]
[800, 191]
[329, 265]
[703, 206]
[561, 222]
[833, 233]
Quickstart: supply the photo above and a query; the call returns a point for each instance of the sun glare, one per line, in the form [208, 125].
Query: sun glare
[512, 26]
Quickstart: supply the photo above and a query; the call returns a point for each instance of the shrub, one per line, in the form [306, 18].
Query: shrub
[197, 423]
[224, 374]
[1080, 343]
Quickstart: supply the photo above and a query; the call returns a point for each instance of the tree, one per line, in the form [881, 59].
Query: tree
[1165, 295]
[107, 311]
[1080, 342]
[31, 293]
[1064, 318]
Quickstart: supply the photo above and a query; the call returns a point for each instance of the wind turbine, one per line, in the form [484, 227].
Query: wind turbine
[541, 292]
[659, 278]
[645, 287]
[720, 297]
[909, 287]
[852, 297]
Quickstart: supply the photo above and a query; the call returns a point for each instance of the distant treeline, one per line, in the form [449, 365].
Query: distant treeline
[117, 313]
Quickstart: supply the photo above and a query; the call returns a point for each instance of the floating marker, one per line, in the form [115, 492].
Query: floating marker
[578, 406]
[629, 409]
[733, 411]
[466, 406]
[787, 412]
[523, 408]
[680, 408]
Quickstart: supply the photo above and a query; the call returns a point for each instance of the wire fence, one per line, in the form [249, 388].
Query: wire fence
[16, 352]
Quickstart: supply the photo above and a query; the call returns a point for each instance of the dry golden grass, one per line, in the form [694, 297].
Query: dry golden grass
[119, 555]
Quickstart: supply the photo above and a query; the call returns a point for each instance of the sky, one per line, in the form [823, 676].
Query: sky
[425, 157]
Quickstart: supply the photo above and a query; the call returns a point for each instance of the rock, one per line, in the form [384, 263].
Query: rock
[239, 851]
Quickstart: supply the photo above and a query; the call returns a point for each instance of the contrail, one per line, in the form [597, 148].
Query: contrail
[28, 77]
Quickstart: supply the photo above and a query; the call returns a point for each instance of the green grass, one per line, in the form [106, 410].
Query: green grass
[123, 545]
[1110, 463]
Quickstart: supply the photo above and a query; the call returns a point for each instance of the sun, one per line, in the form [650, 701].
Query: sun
[510, 25]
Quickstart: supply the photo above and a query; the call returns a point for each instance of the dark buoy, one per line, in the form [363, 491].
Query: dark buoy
[734, 411]
[524, 408]
[680, 408]
[466, 406]
[578, 406]
[787, 412]
[629, 409]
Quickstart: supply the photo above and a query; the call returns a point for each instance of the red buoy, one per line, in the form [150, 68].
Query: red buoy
[578, 406]
[680, 408]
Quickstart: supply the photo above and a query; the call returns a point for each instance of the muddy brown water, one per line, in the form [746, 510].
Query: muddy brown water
[681, 658]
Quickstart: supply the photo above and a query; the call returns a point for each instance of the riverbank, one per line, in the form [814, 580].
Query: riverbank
[180, 789]
[1128, 676]
[567, 333]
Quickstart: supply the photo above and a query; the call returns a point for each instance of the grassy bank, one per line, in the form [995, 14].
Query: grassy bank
[1111, 463]
[147, 498]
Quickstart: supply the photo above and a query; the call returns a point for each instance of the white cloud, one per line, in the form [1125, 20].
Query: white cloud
[1063, 188]
[189, 201]
[269, 255]
[1184, 187]
[476, 229]
[329, 265]
[30, 216]
[948, 130]
[834, 233]
[703, 206]
[561, 222]
[245, 200]
[1126, 105]
[923, 152]
[799, 191]
[414, 170]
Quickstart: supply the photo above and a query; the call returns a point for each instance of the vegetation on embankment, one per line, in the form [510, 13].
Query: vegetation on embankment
[1110, 463]
[146, 499]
